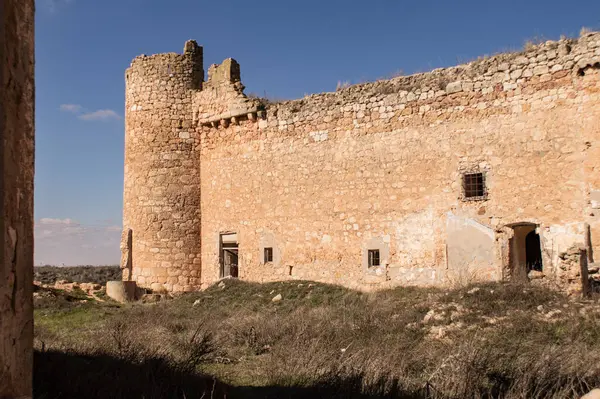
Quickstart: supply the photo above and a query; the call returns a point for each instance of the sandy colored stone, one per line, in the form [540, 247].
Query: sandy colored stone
[593, 394]
[121, 291]
[322, 178]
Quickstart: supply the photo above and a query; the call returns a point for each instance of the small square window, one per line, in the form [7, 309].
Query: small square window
[474, 186]
[374, 258]
[268, 255]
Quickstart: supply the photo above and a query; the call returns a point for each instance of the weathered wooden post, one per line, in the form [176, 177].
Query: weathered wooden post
[16, 197]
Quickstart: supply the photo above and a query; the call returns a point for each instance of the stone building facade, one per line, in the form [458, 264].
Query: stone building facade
[484, 171]
[16, 197]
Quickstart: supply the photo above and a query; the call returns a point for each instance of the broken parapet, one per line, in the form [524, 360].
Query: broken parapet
[121, 291]
[222, 100]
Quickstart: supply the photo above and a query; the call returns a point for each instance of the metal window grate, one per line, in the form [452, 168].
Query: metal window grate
[374, 258]
[268, 255]
[474, 186]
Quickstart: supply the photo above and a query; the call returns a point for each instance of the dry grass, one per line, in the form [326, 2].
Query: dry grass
[485, 341]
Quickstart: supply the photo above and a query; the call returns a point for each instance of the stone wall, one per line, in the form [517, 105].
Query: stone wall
[326, 174]
[162, 186]
[325, 178]
[16, 197]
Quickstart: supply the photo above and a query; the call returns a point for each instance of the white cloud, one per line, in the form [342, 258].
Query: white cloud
[100, 115]
[53, 5]
[74, 108]
[87, 115]
[57, 221]
[68, 242]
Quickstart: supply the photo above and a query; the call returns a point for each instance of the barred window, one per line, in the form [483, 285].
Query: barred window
[374, 258]
[474, 186]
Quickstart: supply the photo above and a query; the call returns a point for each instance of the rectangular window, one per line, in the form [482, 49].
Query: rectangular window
[374, 258]
[268, 257]
[474, 186]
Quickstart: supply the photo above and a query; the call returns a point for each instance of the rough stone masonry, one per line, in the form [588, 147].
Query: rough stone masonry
[486, 171]
[16, 197]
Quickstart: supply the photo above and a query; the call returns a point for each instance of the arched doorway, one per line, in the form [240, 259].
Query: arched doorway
[525, 251]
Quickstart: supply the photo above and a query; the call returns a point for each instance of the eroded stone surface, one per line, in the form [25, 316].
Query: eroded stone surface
[16, 197]
[321, 178]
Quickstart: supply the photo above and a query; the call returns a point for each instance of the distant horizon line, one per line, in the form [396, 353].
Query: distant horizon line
[63, 265]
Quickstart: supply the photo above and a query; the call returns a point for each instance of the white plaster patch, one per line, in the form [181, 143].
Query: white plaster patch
[320, 135]
[326, 239]
[414, 235]
[558, 238]
[473, 223]
[595, 199]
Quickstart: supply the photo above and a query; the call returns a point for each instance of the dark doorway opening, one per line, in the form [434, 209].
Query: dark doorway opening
[533, 252]
[228, 255]
[525, 251]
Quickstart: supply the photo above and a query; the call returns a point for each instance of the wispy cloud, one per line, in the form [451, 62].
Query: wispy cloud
[87, 115]
[100, 115]
[74, 108]
[68, 242]
[54, 5]
[58, 221]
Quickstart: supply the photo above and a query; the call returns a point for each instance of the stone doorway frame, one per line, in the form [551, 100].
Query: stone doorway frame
[513, 249]
[228, 249]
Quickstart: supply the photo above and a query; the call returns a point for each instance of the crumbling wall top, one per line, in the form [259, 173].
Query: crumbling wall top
[503, 72]
[227, 72]
[192, 54]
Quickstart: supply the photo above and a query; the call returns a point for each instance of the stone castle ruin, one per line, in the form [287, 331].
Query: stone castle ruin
[488, 171]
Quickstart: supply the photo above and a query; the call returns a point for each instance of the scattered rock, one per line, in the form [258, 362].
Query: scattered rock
[593, 394]
[221, 285]
[473, 290]
[277, 298]
[540, 308]
[552, 313]
[197, 302]
[433, 316]
[534, 275]
[428, 316]
[151, 298]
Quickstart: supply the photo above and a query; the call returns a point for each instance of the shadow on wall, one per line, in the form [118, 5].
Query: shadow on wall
[73, 375]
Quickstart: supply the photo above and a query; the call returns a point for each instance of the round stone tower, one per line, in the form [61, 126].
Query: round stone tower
[161, 200]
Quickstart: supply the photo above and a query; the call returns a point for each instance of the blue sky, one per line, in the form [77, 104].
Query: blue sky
[286, 49]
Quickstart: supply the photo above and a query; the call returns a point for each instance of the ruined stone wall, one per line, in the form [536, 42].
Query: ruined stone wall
[221, 99]
[327, 177]
[16, 197]
[162, 178]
